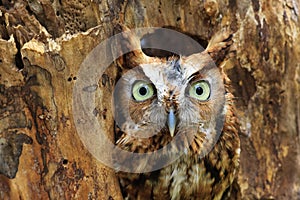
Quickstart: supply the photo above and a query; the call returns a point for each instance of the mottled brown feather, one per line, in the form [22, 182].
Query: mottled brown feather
[191, 176]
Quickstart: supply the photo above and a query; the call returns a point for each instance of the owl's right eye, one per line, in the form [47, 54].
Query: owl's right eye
[141, 90]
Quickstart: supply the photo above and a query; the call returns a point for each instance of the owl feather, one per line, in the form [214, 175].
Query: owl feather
[210, 160]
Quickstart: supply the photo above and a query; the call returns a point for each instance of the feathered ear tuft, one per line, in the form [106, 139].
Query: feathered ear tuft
[216, 52]
[219, 46]
[129, 47]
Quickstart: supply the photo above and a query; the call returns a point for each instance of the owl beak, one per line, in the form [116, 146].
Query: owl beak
[171, 122]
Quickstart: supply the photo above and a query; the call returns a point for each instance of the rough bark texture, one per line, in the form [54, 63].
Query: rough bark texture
[43, 43]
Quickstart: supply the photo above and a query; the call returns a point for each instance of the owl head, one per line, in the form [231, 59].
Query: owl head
[159, 99]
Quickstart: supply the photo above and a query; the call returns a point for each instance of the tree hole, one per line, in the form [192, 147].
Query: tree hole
[172, 43]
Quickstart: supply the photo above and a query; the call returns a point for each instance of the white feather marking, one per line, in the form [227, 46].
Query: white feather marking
[238, 151]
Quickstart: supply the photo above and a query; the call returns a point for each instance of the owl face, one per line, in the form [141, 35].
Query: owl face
[172, 97]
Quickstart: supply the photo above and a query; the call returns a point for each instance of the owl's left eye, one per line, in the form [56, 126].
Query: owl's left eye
[200, 90]
[142, 90]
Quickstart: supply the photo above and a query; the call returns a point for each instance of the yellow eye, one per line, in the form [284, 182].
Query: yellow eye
[142, 90]
[200, 90]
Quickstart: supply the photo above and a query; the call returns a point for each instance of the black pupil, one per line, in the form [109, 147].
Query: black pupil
[143, 91]
[199, 90]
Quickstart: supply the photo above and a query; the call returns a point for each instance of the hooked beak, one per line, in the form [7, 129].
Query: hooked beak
[171, 122]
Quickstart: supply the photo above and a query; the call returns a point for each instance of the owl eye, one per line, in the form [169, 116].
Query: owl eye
[200, 90]
[142, 90]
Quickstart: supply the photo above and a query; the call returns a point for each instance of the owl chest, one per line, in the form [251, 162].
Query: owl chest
[190, 176]
[184, 179]
[187, 178]
[193, 177]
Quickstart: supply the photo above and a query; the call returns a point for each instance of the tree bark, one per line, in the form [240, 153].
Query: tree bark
[44, 42]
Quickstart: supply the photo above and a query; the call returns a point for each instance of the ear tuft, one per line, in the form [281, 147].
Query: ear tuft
[130, 48]
[219, 46]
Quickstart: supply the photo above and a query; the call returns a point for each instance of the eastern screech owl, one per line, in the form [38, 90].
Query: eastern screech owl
[176, 96]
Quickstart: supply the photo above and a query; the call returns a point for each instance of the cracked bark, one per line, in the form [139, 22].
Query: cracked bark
[44, 42]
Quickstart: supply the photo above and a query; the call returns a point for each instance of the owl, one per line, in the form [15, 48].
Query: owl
[183, 97]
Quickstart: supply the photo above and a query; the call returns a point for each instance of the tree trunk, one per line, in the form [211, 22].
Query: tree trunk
[43, 44]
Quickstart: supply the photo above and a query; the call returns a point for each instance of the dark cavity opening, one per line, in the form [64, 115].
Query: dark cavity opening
[65, 161]
[18, 57]
[180, 46]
